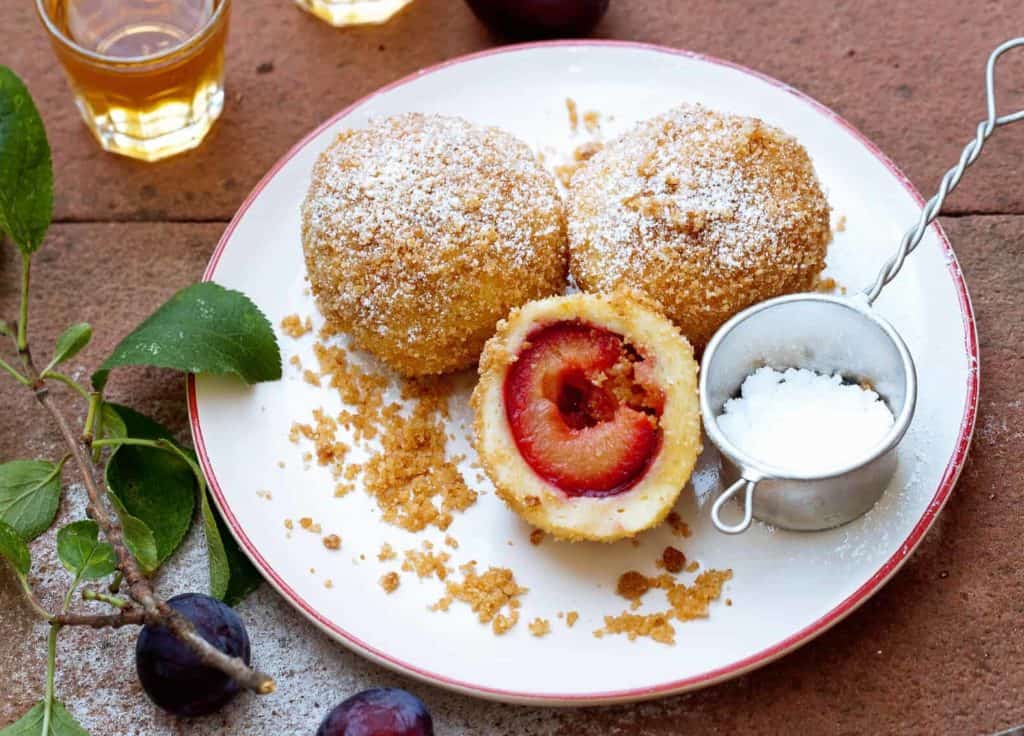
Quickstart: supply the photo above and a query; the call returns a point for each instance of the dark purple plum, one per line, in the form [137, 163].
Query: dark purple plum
[539, 18]
[384, 711]
[172, 675]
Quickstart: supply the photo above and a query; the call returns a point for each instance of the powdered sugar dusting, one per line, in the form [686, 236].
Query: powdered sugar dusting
[708, 212]
[422, 231]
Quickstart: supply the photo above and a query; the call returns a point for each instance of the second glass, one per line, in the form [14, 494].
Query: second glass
[353, 12]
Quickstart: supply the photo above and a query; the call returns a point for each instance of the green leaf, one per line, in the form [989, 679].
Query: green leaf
[29, 495]
[14, 550]
[26, 173]
[111, 424]
[137, 536]
[62, 723]
[70, 342]
[82, 553]
[156, 486]
[232, 576]
[204, 328]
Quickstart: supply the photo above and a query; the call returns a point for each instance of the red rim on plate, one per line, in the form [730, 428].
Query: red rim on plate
[843, 609]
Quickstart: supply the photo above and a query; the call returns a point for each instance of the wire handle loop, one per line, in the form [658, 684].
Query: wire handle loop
[748, 506]
[951, 178]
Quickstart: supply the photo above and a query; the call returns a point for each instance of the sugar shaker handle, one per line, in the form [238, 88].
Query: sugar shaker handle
[748, 506]
[952, 177]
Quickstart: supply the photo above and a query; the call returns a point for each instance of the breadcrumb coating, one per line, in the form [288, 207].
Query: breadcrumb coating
[422, 231]
[706, 212]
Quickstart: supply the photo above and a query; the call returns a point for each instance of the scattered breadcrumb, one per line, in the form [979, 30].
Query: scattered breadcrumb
[841, 224]
[296, 361]
[264, 494]
[690, 602]
[332, 541]
[310, 377]
[728, 601]
[540, 627]
[571, 618]
[633, 625]
[692, 566]
[328, 583]
[592, 121]
[288, 524]
[584, 151]
[686, 602]
[412, 480]
[386, 553]
[280, 463]
[426, 563]
[389, 581]
[574, 116]
[488, 594]
[633, 585]
[451, 542]
[343, 489]
[672, 559]
[828, 285]
[307, 523]
[679, 527]
[295, 327]
[536, 537]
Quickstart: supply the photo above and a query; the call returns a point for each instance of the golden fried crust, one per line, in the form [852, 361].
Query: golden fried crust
[421, 232]
[708, 213]
[584, 518]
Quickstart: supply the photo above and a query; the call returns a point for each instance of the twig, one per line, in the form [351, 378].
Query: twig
[110, 600]
[133, 616]
[139, 587]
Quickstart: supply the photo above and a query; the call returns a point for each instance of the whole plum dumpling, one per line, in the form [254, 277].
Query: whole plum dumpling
[705, 212]
[420, 232]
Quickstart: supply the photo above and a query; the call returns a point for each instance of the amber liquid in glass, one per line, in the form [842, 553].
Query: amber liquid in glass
[353, 12]
[150, 81]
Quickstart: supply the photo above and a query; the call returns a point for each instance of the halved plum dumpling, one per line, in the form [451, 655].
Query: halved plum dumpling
[587, 418]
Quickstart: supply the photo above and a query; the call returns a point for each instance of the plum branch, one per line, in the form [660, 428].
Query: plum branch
[150, 608]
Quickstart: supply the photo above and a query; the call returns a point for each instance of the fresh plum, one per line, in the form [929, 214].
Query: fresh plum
[379, 712]
[170, 672]
[539, 18]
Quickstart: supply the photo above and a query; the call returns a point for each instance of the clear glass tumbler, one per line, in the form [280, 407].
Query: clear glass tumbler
[353, 12]
[147, 75]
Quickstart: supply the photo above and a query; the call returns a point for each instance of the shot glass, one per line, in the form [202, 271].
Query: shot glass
[147, 75]
[353, 12]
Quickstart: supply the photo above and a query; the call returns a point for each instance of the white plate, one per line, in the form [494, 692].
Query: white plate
[787, 587]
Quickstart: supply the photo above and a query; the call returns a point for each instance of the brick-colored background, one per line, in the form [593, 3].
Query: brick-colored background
[939, 650]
